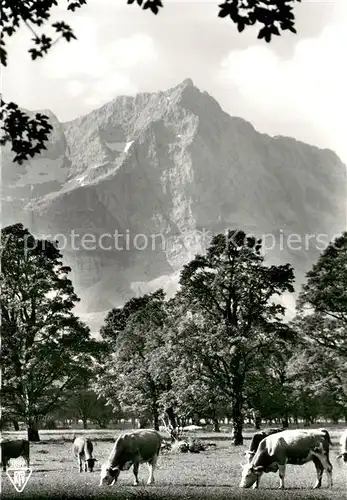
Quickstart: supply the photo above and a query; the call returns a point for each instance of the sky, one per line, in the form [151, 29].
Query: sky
[294, 86]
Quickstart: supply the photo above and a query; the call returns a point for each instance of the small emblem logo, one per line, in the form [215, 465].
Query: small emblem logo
[19, 474]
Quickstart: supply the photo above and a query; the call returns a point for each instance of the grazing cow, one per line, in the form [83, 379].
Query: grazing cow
[83, 450]
[132, 449]
[14, 449]
[343, 446]
[295, 447]
[259, 436]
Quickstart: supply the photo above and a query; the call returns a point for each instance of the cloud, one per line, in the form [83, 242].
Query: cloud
[97, 71]
[88, 56]
[78, 58]
[75, 88]
[308, 88]
[134, 50]
[108, 88]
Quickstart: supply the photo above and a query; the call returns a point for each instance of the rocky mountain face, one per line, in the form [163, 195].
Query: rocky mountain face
[135, 189]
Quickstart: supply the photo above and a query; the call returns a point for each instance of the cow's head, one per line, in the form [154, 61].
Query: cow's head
[250, 474]
[89, 464]
[108, 475]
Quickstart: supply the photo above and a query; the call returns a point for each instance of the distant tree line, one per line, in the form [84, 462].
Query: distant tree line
[218, 349]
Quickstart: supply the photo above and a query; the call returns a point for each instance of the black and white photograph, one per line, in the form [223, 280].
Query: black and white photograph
[173, 249]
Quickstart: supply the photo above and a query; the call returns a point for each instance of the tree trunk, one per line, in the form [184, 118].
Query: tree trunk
[216, 427]
[143, 423]
[257, 422]
[33, 433]
[155, 418]
[173, 423]
[172, 417]
[237, 419]
[285, 420]
[15, 424]
[196, 419]
[85, 423]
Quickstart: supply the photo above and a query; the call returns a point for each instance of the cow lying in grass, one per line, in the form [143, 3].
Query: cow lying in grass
[130, 449]
[295, 447]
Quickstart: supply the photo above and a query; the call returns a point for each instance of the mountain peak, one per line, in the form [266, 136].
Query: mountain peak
[187, 82]
[184, 90]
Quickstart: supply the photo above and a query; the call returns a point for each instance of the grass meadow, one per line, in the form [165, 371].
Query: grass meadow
[210, 475]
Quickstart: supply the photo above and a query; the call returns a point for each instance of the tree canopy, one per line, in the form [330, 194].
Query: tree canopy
[322, 303]
[46, 349]
[133, 374]
[28, 135]
[234, 319]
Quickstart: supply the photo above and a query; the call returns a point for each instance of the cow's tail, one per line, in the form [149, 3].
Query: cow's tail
[327, 435]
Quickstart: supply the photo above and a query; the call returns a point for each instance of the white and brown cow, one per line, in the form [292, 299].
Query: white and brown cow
[83, 449]
[343, 446]
[295, 447]
[14, 449]
[130, 449]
